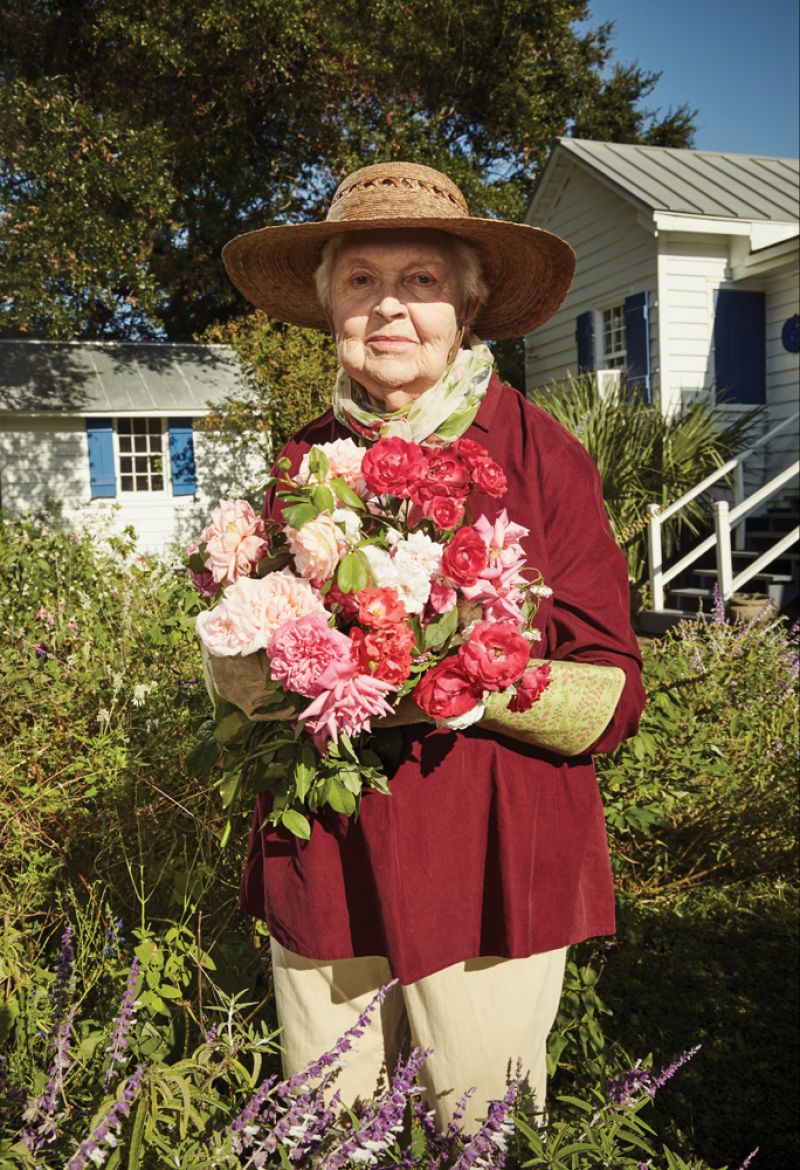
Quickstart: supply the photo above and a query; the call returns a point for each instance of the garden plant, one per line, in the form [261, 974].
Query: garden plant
[137, 1025]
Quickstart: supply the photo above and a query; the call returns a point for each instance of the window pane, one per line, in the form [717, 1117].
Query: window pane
[124, 442]
[141, 483]
[124, 426]
[155, 442]
[140, 443]
[158, 483]
[154, 426]
[126, 464]
[127, 483]
[142, 463]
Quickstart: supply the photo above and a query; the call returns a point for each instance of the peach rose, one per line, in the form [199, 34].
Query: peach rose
[235, 541]
[252, 610]
[344, 461]
[317, 547]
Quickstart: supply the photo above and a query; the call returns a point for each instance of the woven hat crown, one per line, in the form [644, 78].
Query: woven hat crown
[404, 190]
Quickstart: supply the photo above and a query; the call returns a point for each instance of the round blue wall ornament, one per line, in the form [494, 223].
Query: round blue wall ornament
[790, 334]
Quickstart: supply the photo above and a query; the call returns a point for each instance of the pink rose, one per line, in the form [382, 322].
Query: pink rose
[347, 704]
[235, 541]
[252, 609]
[444, 511]
[445, 475]
[503, 541]
[391, 467]
[530, 687]
[447, 690]
[301, 650]
[317, 547]
[490, 478]
[464, 557]
[495, 655]
[443, 597]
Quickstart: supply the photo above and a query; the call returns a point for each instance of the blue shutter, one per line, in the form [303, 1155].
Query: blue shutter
[637, 346]
[584, 335]
[181, 457]
[100, 433]
[740, 347]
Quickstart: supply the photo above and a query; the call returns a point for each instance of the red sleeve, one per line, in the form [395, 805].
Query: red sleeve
[590, 619]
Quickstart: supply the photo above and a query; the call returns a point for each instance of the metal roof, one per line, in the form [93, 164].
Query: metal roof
[696, 182]
[112, 378]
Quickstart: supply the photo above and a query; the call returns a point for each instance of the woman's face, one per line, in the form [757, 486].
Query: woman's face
[394, 298]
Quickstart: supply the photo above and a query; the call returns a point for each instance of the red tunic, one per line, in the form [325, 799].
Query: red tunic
[486, 846]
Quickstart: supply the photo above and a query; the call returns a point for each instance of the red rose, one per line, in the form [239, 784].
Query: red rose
[470, 451]
[384, 653]
[338, 602]
[444, 511]
[392, 466]
[490, 477]
[445, 475]
[380, 607]
[530, 687]
[464, 557]
[495, 655]
[446, 690]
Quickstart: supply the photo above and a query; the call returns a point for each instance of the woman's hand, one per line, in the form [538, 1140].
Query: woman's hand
[406, 713]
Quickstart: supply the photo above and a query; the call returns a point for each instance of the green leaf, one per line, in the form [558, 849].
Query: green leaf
[230, 727]
[318, 463]
[339, 798]
[323, 498]
[437, 632]
[296, 823]
[346, 494]
[300, 514]
[304, 770]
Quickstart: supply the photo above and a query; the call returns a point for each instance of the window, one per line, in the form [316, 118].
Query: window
[140, 454]
[614, 355]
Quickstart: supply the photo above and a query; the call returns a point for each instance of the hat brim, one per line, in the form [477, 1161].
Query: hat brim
[527, 269]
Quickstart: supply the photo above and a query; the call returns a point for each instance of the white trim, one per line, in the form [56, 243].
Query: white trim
[98, 412]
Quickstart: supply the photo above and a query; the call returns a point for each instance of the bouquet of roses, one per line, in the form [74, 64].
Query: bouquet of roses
[374, 583]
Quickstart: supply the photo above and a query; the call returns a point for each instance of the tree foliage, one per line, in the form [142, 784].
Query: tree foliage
[137, 136]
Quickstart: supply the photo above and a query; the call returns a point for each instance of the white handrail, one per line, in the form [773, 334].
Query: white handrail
[772, 554]
[725, 518]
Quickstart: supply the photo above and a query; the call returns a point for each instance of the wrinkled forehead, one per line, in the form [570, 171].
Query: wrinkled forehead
[395, 246]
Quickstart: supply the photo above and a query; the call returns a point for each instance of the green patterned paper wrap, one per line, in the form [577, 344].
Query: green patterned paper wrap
[573, 711]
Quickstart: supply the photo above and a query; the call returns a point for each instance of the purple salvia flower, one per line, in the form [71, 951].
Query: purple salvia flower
[122, 1025]
[718, 607]
[104, 1136]
[59, 992]
[41, 1113]
[624, 1090]
[488, 1146]
[749, 1158]
[379, 1130]
[245, 1128]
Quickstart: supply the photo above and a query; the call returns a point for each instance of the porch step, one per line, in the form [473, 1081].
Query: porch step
[772, 578]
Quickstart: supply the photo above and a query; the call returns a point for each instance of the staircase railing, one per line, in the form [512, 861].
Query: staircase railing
[725, 519]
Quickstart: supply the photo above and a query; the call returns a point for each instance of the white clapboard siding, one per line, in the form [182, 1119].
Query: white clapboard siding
[783, 368]
[616, 257]
[690, 268]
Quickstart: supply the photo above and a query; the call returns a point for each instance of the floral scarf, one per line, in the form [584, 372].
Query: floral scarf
[440, 415]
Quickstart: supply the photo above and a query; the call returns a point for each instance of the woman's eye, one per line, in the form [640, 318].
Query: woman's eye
[360, 280]
[423, 278]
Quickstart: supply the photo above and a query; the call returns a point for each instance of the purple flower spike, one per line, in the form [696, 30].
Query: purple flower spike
[59, 993]
[624, 1090]
[487, 1148]
[122, 1025]
[106, 1132]
[749, 1158]
[41, 1113]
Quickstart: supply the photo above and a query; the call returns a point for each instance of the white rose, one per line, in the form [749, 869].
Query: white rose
[317, 547]
[348, 521]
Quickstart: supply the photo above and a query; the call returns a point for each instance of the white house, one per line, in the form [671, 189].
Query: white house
[687, 276]
[108, 430]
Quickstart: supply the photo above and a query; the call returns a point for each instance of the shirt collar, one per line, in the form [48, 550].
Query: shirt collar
[491, 401]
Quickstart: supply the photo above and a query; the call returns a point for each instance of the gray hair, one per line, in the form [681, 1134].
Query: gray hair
[463, 256]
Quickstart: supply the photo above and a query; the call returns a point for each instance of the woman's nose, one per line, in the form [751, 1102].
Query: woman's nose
[389, 305]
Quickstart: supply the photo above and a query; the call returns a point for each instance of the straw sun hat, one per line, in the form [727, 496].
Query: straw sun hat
[528, 270]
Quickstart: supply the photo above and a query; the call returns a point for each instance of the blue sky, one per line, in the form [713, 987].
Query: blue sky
[735, 61]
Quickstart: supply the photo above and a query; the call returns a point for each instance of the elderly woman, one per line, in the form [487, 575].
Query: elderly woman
[490, 857]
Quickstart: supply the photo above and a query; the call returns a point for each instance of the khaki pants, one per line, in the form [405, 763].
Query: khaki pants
[479, 1017]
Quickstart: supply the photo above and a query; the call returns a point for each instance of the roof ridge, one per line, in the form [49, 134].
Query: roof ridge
[564, 139]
